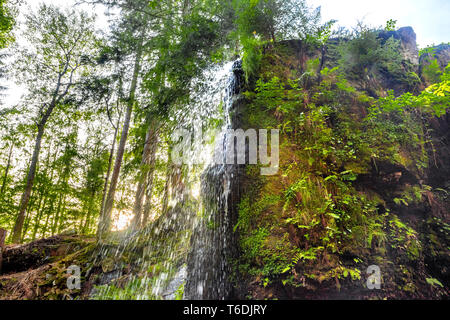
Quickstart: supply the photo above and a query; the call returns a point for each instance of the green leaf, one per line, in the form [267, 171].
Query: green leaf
[434, 282]
[286, 269]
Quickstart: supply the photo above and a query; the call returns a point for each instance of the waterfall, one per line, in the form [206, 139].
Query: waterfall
[213, 244]
[190, 245]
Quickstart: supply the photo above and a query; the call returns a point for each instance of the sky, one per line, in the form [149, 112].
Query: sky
[429, 19]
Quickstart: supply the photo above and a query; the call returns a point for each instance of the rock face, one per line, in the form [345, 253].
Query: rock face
[39, 270]
[441, 53]
[410, 247]
[407, 38]
[33, 255]
[409, 45]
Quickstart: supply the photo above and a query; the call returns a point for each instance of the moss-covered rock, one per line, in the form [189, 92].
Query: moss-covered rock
[353, 190]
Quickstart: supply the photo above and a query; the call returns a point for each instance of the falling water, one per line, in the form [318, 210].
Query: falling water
[191, 245]
[213, 243]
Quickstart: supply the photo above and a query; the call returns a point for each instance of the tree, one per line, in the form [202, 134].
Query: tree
[276, 19]
[258, 22]
[7, 22]
[95, 159]
[130, 33]
[105, 220]
[8, 12]
[145, 180]
[60, 43]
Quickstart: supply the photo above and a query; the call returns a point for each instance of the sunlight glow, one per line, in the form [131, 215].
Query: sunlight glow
[196, 190]
[121, 220]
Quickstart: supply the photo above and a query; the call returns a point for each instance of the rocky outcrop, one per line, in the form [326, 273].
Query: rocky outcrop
[441, 53]
[409, 45]
[39, 270]
[407, 38]
[408, 186]
[18, 258]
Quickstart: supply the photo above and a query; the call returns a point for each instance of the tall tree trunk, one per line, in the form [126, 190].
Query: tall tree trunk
[108, 173]
[17, 233]
[146, 162]
[58, 210]
[87, 223]
[149, 186]
[8, 165]
[46, 191]
[62, 182]
[105, 222]
[59, 226]
[3, 233]
[28, 215]
[38, 214]
[44, 229]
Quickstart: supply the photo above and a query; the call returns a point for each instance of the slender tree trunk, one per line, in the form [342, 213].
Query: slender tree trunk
[3, 233]
[38, 215]
[8, 165]
[28, 215]
[87, 223]
[62, 182]
[146, 162]
[45, 193]
[108, 173]
[17, 233]
[59, 226]
[105, 222]
[149, 187]
[58, 210]
[44, 231]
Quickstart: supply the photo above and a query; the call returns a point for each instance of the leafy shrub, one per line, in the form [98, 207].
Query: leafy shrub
[432, 72]
[366, 55]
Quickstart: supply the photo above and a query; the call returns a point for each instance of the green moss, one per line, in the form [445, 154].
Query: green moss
[314, 212]
[409, 287]
[179, 295]
[134, 289]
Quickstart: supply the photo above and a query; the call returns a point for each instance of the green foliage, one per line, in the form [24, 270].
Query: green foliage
[391, 25]
[404, 238]
[315, 197]
[312, 205]
[434, 100]
[432, 72]
[134, 289]
[314, 222]
[252, 56]
[365, 55]
[396, 127]
[7, 22]
[275, 19]
[429, 50]
[179, 294]
[310, 254]
[260, 22]
[434, 282]
[278, 97]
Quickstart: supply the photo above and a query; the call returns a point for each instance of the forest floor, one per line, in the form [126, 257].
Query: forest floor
[39, 270]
